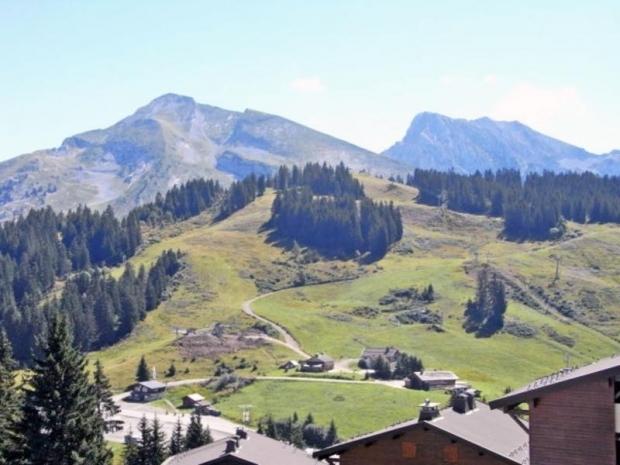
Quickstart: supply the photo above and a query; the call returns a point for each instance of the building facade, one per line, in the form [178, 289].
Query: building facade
[572, 415]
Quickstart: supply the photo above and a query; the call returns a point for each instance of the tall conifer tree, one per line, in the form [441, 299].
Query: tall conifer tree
[9, 403]
[61, 424]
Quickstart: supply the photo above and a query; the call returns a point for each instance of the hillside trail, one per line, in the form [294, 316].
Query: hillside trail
[518, 282]
[288, 339]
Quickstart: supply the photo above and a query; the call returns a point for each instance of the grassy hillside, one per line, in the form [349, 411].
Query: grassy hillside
[232, 261]
[439, 247]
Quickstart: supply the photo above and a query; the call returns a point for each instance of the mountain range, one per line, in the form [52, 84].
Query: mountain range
[435, 141]
[174, 138]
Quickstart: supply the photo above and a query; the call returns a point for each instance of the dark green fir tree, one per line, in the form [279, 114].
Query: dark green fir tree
[61, 424]
[143, 373]
[9, 404]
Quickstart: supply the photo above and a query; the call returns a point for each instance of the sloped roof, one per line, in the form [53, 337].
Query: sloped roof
[320, 358]
[152, 384]
[490, 430]
[435, 375]
[602, 368]
[255, 449]
[195, 397]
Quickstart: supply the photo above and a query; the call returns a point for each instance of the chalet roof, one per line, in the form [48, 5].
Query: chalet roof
[436, 375]
[153, 385]
[372, 352]
[255, 449]
[195, 397]
[490, 430]
[322, 358]
[602, 368]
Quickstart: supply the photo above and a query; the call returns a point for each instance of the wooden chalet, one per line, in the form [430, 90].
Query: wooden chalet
[431, 379]
[370, 355]
[317, 364]
[244, 448]
[147, 391]
[469, 433]
[573, 415]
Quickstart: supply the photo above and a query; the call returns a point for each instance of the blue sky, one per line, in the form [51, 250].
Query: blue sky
[359, 70]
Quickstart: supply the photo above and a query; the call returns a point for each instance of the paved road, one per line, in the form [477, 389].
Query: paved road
[132, 412]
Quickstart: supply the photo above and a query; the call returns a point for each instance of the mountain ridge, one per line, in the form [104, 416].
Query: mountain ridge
[170, 140]
[435, 141]
[173, 138]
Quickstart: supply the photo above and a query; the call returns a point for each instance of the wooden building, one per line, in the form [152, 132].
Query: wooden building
[317, 364]
[192, 400]
[431, 379]
[243, 448]
[147, 391]
[370, 355]
[572, 415]
[470, 433]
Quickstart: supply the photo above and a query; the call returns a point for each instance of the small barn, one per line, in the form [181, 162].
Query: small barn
[147, 391]
[431, 379]
[289, 365]
[205, 408]
[192, 400]
[371, 354]
[317, 364]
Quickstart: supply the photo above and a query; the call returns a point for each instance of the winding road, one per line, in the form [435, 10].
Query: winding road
[288, 339]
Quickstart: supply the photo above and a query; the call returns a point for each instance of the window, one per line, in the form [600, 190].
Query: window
[451, 453]
[408, 449]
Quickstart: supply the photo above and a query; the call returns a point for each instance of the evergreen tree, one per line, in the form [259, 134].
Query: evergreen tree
[382, 368]
[157, 450]
[332, 434]
[143, 373]
[270, 429]
[176, 445]
[106, 407]
[9, 404]
[131, 452]
[196, 435]
[61, 424]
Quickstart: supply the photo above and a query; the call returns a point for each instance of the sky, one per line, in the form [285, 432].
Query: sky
[358, 70]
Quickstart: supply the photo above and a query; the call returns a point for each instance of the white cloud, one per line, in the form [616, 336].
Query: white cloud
[308, 85]
[490, 79]
[448, 80]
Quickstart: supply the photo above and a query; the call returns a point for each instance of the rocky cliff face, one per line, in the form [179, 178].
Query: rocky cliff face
[435, 141]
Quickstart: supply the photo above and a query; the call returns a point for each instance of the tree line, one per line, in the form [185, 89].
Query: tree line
[535, 207]
[152, 448]
[301, 434]
[325, 208]
[181, 202]
[405, 365]
[100, 310]
[484, 315]
[320, 179]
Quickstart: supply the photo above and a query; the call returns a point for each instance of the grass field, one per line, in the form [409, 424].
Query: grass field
[117, 450]
[356, 408]
[320, 316]
[230, 262]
